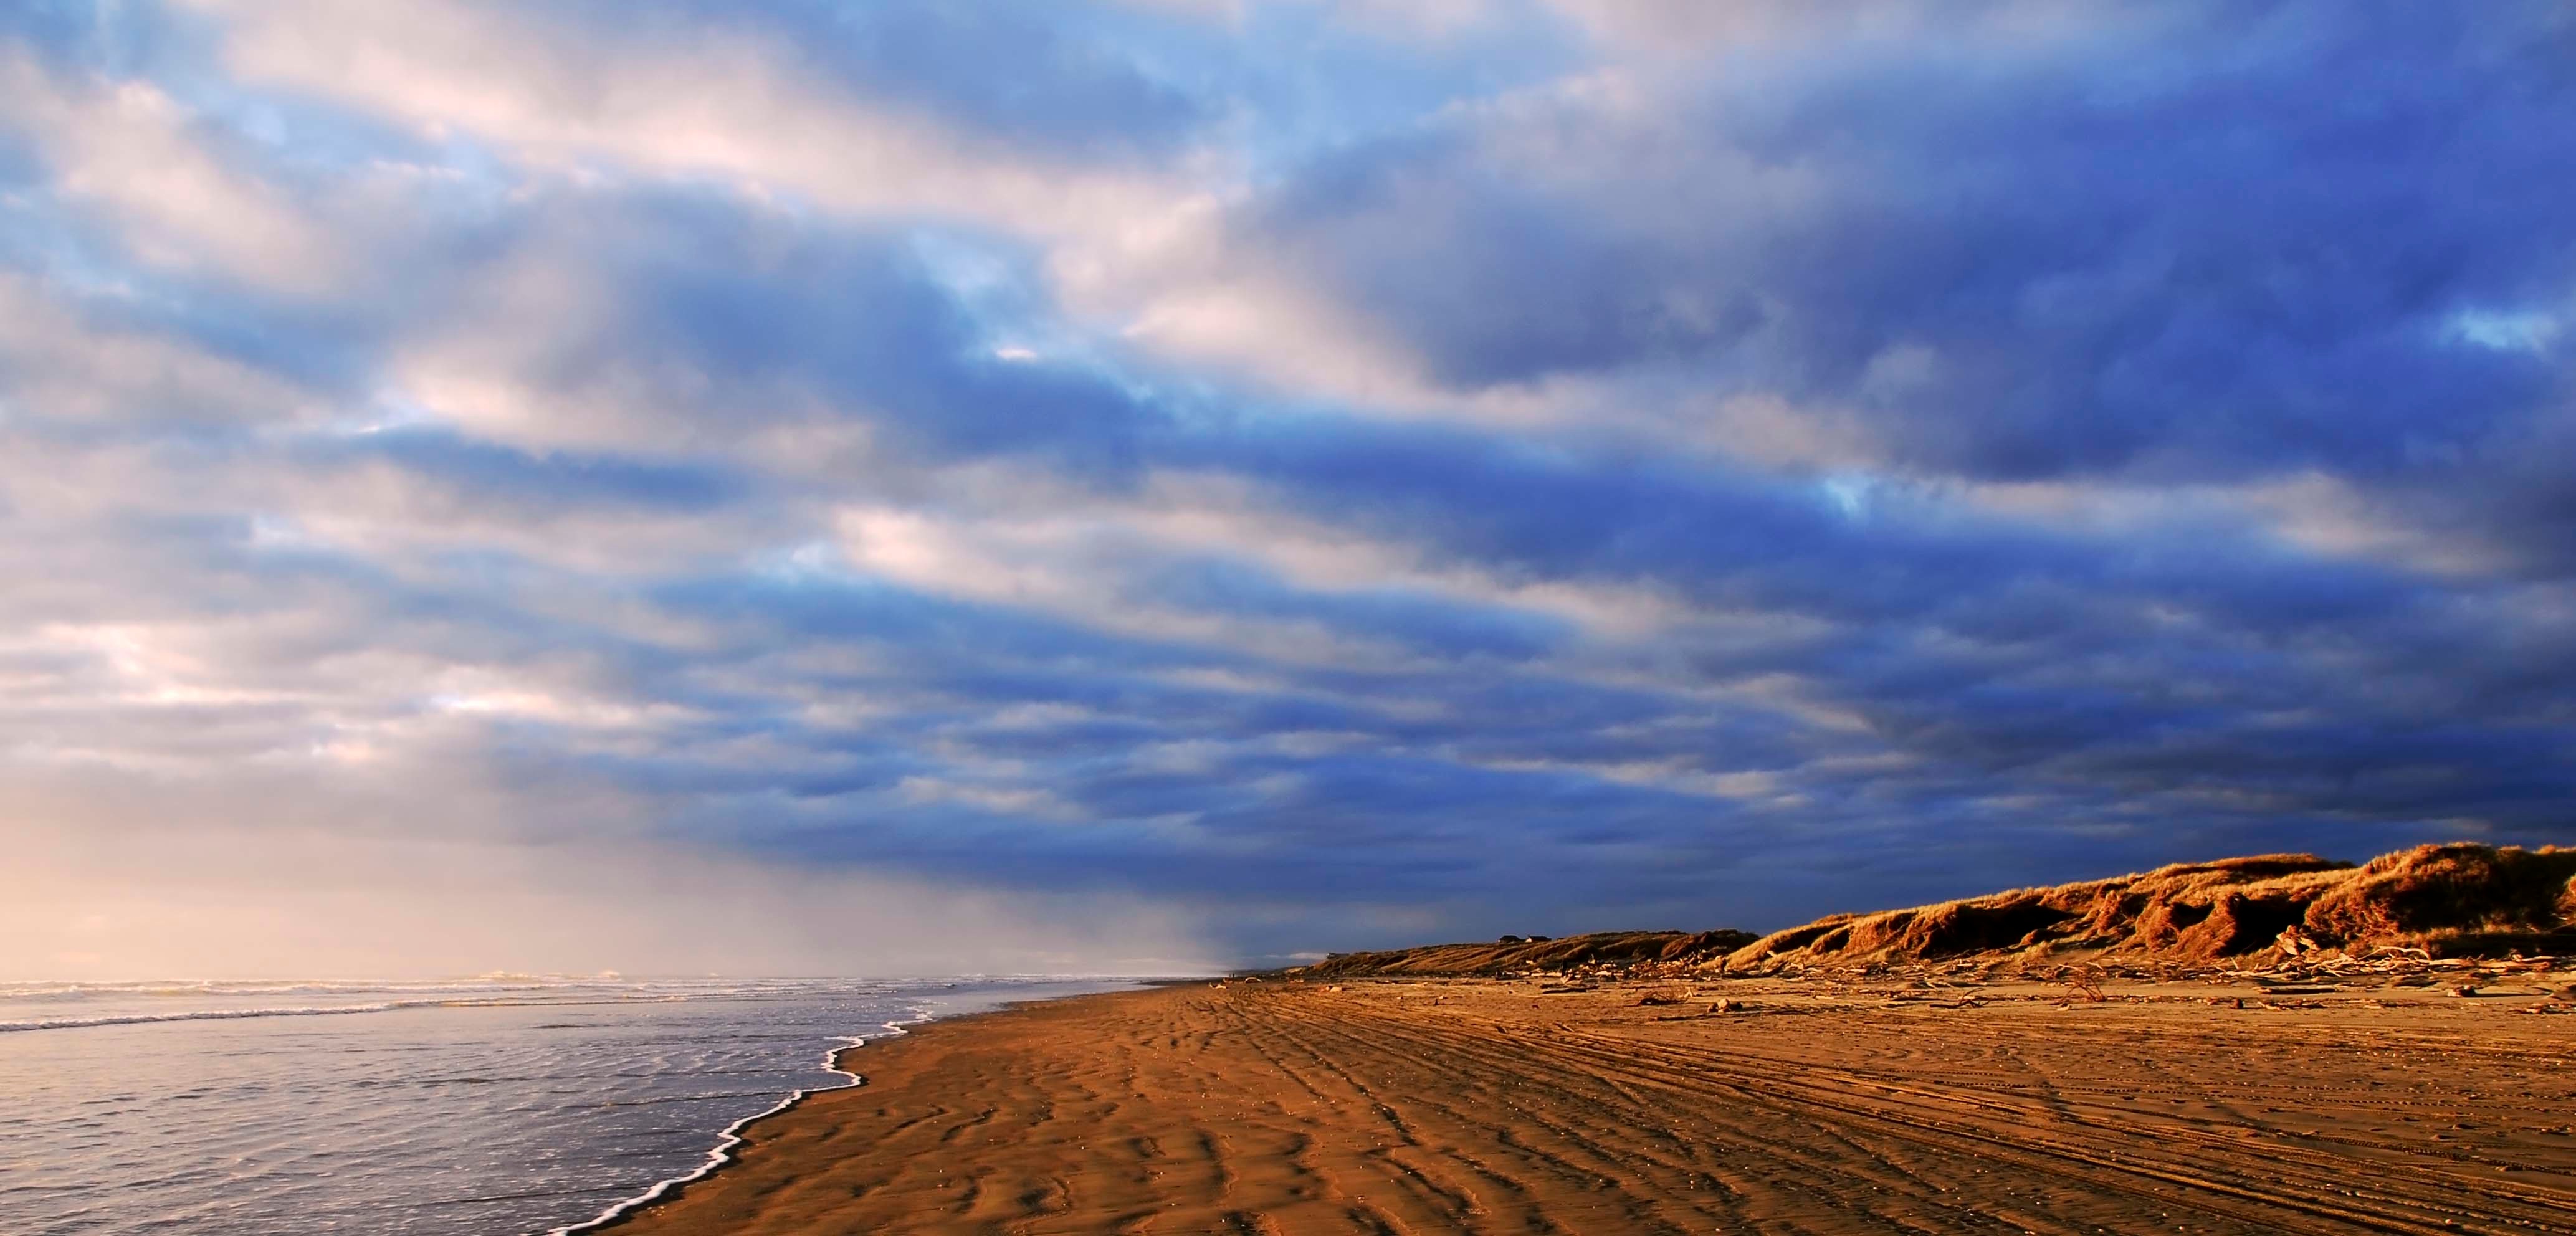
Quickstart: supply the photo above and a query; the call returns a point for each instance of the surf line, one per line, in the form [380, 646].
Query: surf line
[147, 1019]
[731, 1138]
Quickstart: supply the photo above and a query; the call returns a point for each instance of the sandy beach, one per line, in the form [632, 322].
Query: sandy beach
[1764, 1105]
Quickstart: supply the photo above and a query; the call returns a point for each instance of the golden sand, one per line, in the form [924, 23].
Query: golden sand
[1794, 1106]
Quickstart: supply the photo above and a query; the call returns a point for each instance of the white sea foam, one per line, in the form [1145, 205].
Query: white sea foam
[318, 988]
[131, 998]
[731, 1138]
[136, 1019]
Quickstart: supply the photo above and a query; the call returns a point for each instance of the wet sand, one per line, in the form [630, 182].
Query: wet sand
[1497, 1106]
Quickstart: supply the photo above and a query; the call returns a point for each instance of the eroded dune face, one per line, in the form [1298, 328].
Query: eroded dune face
[2451, 899]
[2454, 898]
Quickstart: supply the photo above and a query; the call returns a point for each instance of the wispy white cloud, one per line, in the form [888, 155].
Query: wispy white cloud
[129, 152]
[695, 99]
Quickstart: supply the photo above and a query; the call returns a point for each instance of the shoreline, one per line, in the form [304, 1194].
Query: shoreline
[1820, 1106]
[731, 1138]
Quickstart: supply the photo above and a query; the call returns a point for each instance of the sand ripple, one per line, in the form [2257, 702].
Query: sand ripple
[1489, 1107]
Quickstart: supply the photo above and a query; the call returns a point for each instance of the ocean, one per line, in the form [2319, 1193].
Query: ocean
[480, 1107]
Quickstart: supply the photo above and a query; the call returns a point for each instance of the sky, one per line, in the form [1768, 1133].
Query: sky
[1139, 484]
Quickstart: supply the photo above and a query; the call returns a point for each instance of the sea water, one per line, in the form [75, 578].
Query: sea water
[483, 1107]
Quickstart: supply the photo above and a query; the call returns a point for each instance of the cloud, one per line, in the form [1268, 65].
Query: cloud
[680, 90]
[1986, 257]
[181, 195]
[72, 362]
[1220, 484]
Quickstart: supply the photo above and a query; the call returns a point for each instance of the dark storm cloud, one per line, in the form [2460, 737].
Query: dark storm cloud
[2240, 241]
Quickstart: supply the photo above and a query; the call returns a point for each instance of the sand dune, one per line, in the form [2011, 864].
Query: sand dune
[2459, 899]
[1518, 954]
[1908, 1104]
[2456, 899]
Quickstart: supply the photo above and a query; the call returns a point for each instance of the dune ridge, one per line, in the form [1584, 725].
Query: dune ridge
[2449, 900]
[1516, 954]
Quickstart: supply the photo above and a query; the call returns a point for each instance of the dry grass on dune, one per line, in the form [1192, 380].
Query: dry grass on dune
[2452, 899]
